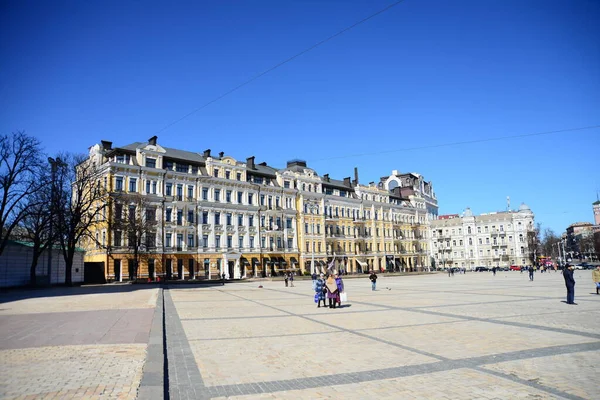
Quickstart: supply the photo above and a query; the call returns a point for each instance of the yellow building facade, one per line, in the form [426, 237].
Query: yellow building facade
[176, 214]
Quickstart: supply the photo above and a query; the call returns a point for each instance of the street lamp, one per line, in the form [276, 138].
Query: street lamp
[310, 206]
[54, 164]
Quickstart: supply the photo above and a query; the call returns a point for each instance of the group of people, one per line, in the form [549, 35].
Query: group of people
[330, 287]
[289, 279]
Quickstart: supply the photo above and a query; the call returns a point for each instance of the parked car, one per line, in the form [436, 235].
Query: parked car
[578, 266]
[481, 269]
[515, 267]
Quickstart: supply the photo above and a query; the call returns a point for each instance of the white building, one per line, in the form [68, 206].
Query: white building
[495, 239]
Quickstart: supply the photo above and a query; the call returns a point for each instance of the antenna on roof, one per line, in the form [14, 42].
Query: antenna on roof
[507, 203]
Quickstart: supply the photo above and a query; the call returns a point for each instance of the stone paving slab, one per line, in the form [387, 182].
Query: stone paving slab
[404, 340]
[78, 372]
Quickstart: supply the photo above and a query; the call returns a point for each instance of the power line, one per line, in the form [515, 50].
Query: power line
[433, 146]
[280, 64]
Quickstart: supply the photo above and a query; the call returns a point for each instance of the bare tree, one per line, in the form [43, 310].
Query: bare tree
[19, 178]
[533, 243]
[81, 199]
[35, 227]
[548, 244]
[135, 218]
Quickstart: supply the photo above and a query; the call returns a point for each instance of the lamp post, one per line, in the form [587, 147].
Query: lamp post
[54, 164]
[310, 206]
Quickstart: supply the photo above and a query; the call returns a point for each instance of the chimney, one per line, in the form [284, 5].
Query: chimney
[152, 140]
[106, 145]
[326, 177]
[206, 153]
[250, 162]
[347, 181]
[221, 154]
[263, 164]
[356, 175]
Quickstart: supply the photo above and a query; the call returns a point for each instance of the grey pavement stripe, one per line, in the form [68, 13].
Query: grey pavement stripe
[152, 385]
[411, 370]
[262, 337]
[240, 317]
[185, 381]
[490, 320]
[390, 343]
[532, 384]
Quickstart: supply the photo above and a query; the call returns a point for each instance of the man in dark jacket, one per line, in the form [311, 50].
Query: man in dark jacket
[570, 283]
[373, 278]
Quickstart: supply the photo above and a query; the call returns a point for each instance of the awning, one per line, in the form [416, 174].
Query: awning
[293, 260]
[244, 261]
[255, 261]
[283, 262]
[398, 263]
[362, 263]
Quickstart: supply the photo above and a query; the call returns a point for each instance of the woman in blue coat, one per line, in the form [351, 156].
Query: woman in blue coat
[320, 291]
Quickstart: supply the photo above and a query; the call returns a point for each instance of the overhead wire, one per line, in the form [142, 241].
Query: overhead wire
[433, 146]
[265, 72]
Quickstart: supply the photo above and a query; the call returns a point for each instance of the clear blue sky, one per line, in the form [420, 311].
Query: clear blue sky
[424, 73]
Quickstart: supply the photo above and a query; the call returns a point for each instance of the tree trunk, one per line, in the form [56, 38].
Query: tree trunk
[69, 267]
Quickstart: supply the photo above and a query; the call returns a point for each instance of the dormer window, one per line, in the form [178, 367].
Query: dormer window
[122, 159]
[151, 162]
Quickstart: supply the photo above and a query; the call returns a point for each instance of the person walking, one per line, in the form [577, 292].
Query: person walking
[340, 285]
[333, 293]
[320, 291]
[373, 278]
[292, 279]
[531, 270]
[596, 278]
[570, 283]
[494, 271]
[286, 277]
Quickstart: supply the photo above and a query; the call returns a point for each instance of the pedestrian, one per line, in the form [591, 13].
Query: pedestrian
[373, 278]
[570, 283]
[494, 271]
[333, 293]
[531, 271]
[596, 278]
[340, 285]
[223, 279]
[314, 280]
[320, 291]
[292, 279]
[286, 278]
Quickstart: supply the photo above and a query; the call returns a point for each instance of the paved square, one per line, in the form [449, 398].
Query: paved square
[471, 336]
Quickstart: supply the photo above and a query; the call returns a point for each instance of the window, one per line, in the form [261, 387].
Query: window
[151, 214]
[487, 240]
[454, 243]
[229, 219]
[251, 242]
[168, 214]
[205, 241]
[179, 217]
[131, 213]
[117, 239]
[480, 241]
[190, 217]
[241, 242]
[168, 240]
[486, 229]
[288, 223]
[501, 228]
[240, 219]
[217, 218]
[251, 220]
[151, 162]
[204, 193]
[118, 212]
[229, 241]
[228, 196]
[205, 217]
[168, 165]
[286, 184]
[147, 187]
[290, 243]
[169, 189]
[119, 183]
[153, 187]
[123, 158]
[150, 240]
[279, 243]
[305, 228]
[179, 192]
[190, 241]
[460, 242]
[182, 167]
[478, 229]
[238, 176]
[250, 198]
[179, 241]
[239, 197]
[217, 194]
[470, 241]
[194, 169]
[190, 192]
[227, 174]
[216, 173]
[217, 241]
[469, 230]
